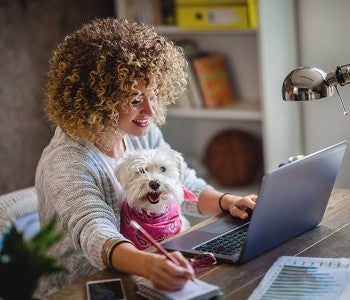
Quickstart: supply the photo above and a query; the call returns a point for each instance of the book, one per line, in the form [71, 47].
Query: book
[196, 289]
[213, 79]
[192, 96]
[253, 16]
[141, 11]
[293, 277]
[194, 91]
[167, 9]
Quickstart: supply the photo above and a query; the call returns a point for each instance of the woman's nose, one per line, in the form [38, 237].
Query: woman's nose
[148, 106]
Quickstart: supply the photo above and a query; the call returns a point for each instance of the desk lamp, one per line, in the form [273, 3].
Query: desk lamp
[308, 83]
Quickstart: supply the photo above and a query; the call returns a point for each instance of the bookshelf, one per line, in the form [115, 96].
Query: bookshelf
[258, 60]
[240, 111]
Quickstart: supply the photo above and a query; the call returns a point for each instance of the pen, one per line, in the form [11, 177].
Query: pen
[154, 242]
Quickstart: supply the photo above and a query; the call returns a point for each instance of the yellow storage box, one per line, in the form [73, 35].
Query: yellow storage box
[213, 15]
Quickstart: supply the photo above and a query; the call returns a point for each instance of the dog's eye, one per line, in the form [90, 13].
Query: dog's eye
[142, 171]
[163, 169]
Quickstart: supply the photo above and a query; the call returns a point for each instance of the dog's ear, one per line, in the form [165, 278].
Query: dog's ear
[122, 171]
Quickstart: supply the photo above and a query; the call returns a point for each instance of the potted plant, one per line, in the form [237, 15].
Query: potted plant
[23, 262]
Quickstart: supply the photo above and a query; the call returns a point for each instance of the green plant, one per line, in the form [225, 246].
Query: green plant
[23, 262]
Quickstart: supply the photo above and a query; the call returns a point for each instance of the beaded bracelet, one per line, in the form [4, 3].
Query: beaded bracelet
[222, 196]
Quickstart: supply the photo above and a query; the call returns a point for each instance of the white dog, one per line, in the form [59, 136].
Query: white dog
[151, 181]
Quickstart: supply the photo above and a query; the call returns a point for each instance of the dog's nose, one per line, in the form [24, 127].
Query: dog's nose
[154, 184]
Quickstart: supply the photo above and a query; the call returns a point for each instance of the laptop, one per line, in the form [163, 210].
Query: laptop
[292, 199]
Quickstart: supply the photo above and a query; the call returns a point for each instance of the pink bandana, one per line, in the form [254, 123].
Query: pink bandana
[159, 226]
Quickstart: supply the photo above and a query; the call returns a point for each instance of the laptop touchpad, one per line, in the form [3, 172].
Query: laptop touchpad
[224, 224]
[189, 240]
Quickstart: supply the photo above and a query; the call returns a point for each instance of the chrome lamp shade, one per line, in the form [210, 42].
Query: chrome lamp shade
[306, 83]
[309, 83]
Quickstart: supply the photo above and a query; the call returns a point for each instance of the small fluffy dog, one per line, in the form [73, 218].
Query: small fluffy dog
[153, 193]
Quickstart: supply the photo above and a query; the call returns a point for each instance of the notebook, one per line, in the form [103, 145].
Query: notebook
[192, 290]
[292, 199]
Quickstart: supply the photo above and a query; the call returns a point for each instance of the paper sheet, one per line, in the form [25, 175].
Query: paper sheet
[292, 277]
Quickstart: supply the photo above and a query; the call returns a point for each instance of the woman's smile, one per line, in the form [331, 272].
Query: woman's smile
[143, 123]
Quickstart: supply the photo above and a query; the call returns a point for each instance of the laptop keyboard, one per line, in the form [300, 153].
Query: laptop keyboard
[229, 243]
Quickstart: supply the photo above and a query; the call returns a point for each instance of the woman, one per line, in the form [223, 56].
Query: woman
[109, 83]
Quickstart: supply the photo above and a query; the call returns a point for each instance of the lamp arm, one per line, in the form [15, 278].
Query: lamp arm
[341, 76]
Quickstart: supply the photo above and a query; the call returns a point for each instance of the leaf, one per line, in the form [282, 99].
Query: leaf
[24, 262]
[47, 236]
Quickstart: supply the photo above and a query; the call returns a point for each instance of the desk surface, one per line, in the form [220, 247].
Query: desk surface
[330, 239]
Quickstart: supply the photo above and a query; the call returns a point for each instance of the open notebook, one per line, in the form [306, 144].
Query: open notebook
[196, 289]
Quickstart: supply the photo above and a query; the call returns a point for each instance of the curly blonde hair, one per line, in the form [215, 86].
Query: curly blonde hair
[94, 73]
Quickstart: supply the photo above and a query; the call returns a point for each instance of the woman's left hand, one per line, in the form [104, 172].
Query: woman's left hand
[237, 205]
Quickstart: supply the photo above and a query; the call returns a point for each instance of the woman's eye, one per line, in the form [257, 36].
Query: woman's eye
[136, 102]
[155, 93]
[163, 169]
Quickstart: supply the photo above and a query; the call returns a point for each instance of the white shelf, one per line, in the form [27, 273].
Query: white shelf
[168, 29]
[241, 111]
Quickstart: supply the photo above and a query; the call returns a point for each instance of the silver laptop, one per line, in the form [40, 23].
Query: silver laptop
[292, 199]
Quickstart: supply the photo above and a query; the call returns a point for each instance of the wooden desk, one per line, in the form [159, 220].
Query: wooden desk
[330, 239]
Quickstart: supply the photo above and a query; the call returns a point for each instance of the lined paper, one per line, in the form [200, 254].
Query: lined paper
[309, 278]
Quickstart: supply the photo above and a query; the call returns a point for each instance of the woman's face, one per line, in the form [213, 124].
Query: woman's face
[137, 120]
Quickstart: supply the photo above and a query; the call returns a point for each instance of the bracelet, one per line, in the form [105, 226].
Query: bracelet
[107, 253]
[222, 196]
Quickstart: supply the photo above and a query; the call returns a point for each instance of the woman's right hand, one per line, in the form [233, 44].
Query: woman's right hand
[156, 267]
[166, 275]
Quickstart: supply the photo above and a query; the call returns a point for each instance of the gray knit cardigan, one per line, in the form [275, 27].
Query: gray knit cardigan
[73, 182]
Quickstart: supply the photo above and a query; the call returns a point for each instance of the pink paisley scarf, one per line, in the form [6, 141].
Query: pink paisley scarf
[159, 226]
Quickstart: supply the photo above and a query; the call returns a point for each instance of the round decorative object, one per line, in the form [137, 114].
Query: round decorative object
[233, 157]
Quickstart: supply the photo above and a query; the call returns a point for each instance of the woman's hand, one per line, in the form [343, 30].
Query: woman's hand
[160, 270]
[236, 205]
[166, 275]
[156, 267]
[212, 201]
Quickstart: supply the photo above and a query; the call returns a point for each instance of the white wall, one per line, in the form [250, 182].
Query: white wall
[324, 41]
[278, 55]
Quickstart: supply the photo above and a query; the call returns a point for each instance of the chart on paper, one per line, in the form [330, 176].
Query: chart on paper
[305, 278]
